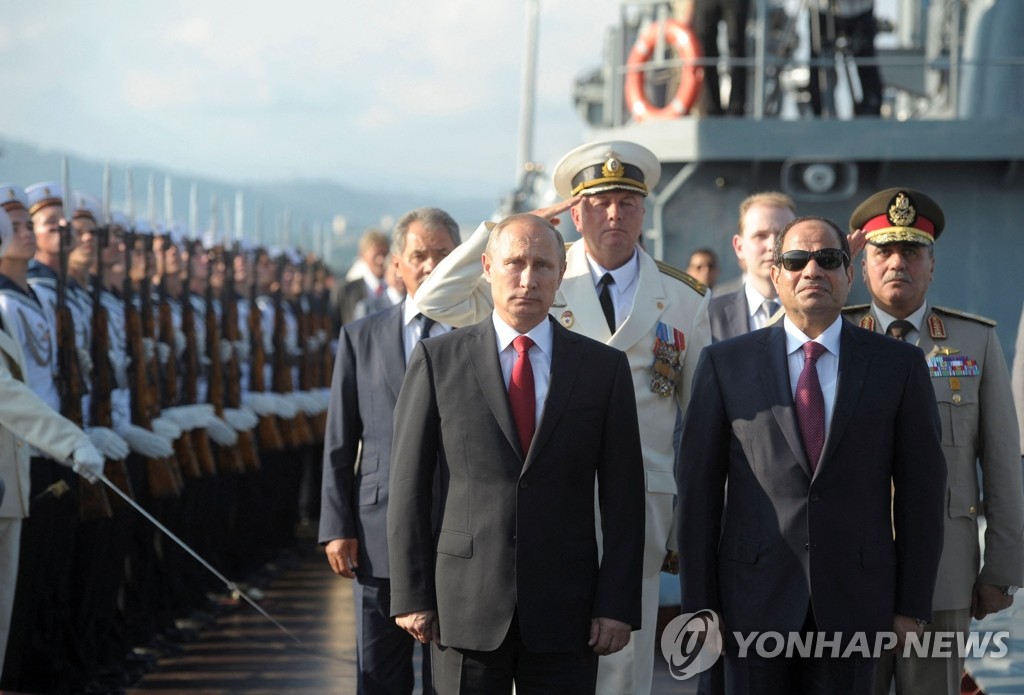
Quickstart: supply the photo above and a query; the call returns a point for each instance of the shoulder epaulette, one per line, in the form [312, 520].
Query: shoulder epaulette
[698, 286]
[965, 315]
[854, 308]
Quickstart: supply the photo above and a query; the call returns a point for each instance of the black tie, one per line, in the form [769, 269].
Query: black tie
[428, 323]
[606, 301]
[899, 329]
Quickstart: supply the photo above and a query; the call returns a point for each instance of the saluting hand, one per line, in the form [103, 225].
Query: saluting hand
[608, 636]
[552, 212]
[343, 554]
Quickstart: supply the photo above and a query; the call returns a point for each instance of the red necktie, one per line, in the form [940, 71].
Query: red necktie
[810, 404]
[521, 395]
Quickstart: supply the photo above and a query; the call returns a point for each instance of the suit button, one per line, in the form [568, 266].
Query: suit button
[972, 510]
[815, 497]
[513, 540]
[523, 484]
[807, 546]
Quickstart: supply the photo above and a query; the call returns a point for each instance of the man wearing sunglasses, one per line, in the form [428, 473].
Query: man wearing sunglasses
[784, 491]
[971, 385]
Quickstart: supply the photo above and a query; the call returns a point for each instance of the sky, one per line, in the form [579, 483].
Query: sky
[409, 94]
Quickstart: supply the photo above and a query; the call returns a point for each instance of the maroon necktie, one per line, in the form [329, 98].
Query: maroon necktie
[810, 404]
[521, 395]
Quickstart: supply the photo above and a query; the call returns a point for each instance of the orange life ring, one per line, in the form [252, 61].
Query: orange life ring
[680, 37]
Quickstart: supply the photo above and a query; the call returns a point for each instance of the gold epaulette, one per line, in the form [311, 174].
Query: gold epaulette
[965, 315]
[854, 308]
[698, 286]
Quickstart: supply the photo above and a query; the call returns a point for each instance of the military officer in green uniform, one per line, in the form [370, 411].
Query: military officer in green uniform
[979, 426]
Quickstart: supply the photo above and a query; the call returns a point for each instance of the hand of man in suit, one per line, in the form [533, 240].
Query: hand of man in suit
[903, 626]
[343, 554]
[988, 599]
[608, 636]
[422, 625]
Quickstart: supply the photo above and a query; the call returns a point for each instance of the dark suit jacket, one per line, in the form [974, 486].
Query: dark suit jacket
[517, 532]
[729, 315]
[787, 538]
[368, 371]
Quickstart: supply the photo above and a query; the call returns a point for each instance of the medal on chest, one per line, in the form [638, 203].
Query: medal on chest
[669, 345]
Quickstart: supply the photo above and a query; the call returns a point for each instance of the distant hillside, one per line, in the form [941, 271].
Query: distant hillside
[305, 204]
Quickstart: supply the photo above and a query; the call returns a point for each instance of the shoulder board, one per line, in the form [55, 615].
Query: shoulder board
[964, 315]
[698, 286]
[854, 308]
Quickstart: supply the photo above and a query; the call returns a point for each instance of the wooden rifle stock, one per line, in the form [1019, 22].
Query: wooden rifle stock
[228, 458]
[297, 433]
[232, 372]
[190, 379]
[100, 405]
[270, 438]
[163, 477]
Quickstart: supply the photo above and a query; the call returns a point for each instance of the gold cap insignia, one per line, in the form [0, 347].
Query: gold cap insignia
[612, 169]
[902, 212]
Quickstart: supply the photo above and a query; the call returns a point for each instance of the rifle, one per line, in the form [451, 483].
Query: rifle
[232, 371]
[92, 499]
[162, 475]
[270, 437]
[309, 370]
[190, 378]
[100, 406]
[228, 458]
[299, 432]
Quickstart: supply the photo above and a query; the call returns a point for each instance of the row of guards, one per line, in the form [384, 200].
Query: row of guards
[651, 42]
[212, 360]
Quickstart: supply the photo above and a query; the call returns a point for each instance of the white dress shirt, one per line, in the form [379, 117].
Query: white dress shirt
[623, 290]
[540, 356]
[755, 300]
[412, 324]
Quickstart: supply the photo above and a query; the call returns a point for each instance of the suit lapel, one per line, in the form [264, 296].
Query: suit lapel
[482, 354]
[853, 367]
[563, 375]
[736, 314]
[775, 380]
[389, 344]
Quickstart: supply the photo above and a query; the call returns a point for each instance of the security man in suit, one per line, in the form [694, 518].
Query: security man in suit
[979, 427]
[750, 306]
[615, 292]
[371, 358]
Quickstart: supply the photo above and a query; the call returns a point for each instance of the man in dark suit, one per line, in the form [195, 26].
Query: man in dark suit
[803, 428]
[749, 307]
[514, 585]
[368, 292]
[368, 375]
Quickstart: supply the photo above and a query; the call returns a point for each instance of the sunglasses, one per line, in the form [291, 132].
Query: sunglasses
[827, 259]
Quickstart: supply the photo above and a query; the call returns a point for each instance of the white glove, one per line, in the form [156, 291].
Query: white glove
[226, 350]
[242, 350]
[321, 335]
[87, 462]
[163, 352]
[258, 401]
[283, 406]
[119, 361]
[147, 349]
[204, 361]
[179, 343]
[220, 432]
[312, 344]
[165, 427]
[146, 443]
[180, 416]
[108, 442]
[84, 362]
[240, 419]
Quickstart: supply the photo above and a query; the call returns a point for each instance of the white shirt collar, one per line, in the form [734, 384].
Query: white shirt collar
[795, 338]
[541, 334]
[754, 299]
[625, 275]
[409, 311]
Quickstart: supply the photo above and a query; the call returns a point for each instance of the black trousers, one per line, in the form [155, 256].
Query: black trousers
[464, 671]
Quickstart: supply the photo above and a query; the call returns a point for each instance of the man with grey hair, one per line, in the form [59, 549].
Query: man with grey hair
[368, 371]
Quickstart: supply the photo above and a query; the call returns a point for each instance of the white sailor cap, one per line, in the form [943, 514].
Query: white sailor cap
[597, 167]
[13, 197]
[86, 205]
[119, 219]
[6, 230]
[41, 195]
[142, 226]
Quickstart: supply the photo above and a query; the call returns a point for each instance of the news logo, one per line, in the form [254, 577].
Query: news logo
[691, 643]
